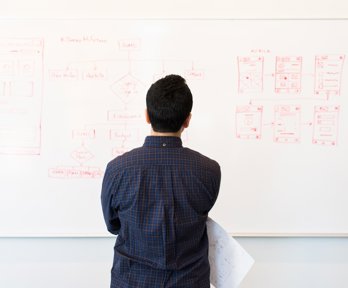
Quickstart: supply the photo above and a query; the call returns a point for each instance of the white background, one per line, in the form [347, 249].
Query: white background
[293, 186]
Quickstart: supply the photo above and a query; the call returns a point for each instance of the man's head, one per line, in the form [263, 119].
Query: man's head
[169, 104]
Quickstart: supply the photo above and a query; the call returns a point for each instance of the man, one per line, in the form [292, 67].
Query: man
[156, 198]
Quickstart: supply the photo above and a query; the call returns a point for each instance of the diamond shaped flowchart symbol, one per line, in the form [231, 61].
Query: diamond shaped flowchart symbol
[127, 88]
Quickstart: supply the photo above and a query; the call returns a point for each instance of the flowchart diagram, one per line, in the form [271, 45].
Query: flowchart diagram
[274, 99]
[288, 107]
[21, 92]
[122, 127]
[21, 95]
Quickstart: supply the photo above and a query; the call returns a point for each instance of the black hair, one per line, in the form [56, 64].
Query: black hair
[169, 103]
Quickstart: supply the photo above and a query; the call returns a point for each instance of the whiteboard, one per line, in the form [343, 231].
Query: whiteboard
[270, 105]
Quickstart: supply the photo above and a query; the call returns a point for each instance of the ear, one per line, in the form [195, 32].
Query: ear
[187, 121]
[147, 118]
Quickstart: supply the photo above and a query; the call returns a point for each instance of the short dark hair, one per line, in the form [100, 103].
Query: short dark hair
[169, 103]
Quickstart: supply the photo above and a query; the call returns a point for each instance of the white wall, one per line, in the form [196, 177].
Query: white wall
[86, 262]
[297, 262]
[176, 8]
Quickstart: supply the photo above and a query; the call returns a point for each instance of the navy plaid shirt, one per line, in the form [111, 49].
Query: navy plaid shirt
[157, 198]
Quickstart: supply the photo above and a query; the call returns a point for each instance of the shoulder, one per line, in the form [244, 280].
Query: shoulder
[124, 160]
[203, 160]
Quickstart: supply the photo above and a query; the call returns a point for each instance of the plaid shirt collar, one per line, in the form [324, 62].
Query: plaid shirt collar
[163, 141]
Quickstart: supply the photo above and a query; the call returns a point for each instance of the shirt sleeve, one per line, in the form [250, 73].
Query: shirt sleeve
[109, 211]
[216, 182]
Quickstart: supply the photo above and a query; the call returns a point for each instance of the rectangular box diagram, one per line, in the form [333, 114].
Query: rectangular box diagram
[21, 80]
[248, 122]
[325, 126]
[328, 73]
[287, 121]
[250, 74]
[288, 74]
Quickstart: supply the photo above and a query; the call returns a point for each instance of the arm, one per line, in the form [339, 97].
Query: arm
[107, 200]
[216, 180]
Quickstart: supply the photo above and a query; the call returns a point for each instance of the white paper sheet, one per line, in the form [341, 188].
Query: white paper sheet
[229, 262]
